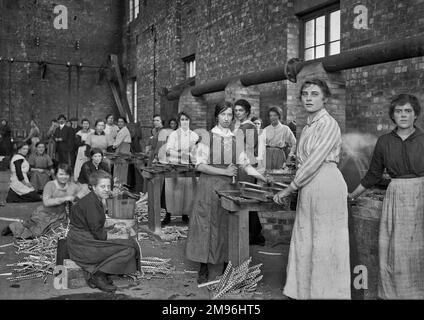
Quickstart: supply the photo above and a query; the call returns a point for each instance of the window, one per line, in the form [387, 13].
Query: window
[321, 33]
[190, 64]
[132, 97]
[134, 9]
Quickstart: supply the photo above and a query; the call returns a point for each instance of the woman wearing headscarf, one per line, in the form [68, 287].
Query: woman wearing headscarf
[21, 190]
[57, 195]
[318, 265]
[216, 159]
[401, 234]
[179, 148]
[99, 253]
[41, 165]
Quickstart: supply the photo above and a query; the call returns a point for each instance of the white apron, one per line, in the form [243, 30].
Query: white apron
[15, 184]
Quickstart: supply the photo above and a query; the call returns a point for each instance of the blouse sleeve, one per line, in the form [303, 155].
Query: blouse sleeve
[31, 161]
[376, 168]
[84, 174]
[327, 134]
[48, 199]
[202, 154]
[18, 168]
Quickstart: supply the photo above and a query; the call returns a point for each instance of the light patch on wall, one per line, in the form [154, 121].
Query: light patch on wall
[361, 20]
[61, 21]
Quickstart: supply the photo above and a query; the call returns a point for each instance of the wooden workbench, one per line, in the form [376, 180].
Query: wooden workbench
[121, 163]
[238, 222]
[155, 176]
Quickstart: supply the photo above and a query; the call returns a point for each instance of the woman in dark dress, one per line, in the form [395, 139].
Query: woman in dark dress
[94, 164]
[401, 234]
[216, 159]
[98, 253]
[247, 134]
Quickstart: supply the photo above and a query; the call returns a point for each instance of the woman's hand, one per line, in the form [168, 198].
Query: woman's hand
[278, 198]
[69, 198]
[231, 170]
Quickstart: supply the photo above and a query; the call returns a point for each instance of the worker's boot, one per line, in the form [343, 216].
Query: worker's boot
[185, 218]
[6, 232]
[225, 267]
[203, 273]
[100, 281]
[166, 220]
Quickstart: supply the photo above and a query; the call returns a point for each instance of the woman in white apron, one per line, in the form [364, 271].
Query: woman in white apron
[82, 137]
[21, 189]
[401, 236]
[318, 265]
[179, 148]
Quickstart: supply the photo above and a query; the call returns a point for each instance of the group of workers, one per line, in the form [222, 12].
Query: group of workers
[318, 264]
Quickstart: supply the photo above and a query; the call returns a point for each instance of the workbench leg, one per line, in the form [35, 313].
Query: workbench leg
[154, 187]
[238, 237]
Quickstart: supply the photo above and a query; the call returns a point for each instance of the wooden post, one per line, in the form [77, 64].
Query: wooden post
[238, 236]
[154, 187]
[120, 170]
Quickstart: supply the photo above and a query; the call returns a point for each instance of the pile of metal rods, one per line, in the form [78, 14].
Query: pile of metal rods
[41, 256]
[154, 267]
[239, 280]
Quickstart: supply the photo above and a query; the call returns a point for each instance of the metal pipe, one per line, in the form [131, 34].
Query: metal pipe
[389, 51]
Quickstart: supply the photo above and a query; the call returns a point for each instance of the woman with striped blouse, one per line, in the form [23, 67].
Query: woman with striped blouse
[318, 266]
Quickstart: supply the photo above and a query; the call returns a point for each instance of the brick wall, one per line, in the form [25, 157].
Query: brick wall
[369, 89]
[97, 24]
[228, 38]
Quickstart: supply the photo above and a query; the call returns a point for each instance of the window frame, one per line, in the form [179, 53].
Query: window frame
[187, 60]
[133, 7]
[324, 11]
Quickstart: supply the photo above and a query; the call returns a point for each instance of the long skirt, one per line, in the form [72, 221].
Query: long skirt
[208, 229]
[13, 197]
[318, 265]
[117, 256]
[401, 241]
[179, 194]
[41, 220]
[275, 158]
[39, 180]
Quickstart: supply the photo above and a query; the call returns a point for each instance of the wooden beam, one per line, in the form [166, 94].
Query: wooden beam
[117, 98]
[122, 87]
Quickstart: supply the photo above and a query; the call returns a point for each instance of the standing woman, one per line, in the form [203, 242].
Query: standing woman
[21, 190]
[41, 167]
[5, 139]
[53, 212]
[208, 231]
[179, 148]
[99, 139]
[51, 145]
[81, 143]
[247, 136]
[33, 137]
[261, 144]
[122, 142]
[278, 138]
[98, 253]
[318, 266]
[111, 129]
[401, 236]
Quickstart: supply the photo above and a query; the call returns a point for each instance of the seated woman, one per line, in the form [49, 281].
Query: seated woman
[41, 167]
[98, 253]
[21, 190]
[52, 213]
